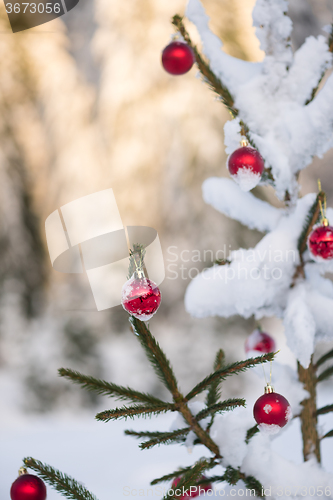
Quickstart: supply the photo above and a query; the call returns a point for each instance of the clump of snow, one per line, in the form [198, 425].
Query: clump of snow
[257, 282]
[229, 433]
[246, 179]
[226, 197]
[283, 478]
[269, 429]
[289, 414]
[273, 28]
[299, 324]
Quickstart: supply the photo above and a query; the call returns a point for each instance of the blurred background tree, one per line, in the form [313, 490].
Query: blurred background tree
[85, 105]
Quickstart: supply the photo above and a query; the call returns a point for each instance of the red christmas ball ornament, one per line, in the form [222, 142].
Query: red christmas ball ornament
[193, 491]
[177, 58]
[246, 167]
[28, 487]
[271, 411]
[320, 242]
[140, 297]
[260, 341]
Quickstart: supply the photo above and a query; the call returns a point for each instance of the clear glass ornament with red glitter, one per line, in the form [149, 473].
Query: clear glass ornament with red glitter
[27, 487]
[177, 58]
[246, 166]
[320, 240]
[140, 296]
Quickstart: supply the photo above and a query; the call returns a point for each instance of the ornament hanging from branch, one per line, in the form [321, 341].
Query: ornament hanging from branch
[177, 58]
[246, 166]
[259, 341]
[140, 296]
[320, 240]
[27, 487]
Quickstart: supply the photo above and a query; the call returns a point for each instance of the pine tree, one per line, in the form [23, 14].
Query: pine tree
[280, 108]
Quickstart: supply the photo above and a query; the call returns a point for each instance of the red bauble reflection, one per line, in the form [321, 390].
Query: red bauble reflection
[272, 411]
[246, 167]
[260, 341]
[194, 491]
[141, 298]
[320, 242]
[177, 58]
[28, 487]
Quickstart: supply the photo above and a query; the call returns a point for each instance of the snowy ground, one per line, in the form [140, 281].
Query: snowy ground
[109, 463]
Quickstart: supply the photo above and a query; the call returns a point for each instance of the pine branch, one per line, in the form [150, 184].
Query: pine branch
[213, 394]
[315, 89]
[165, 438]
[310, 221]
[62, 483]
[252, 483]
[330, 48]
[143, 434]
[324, 358]
[172, 475]
[227, 405]
[156, 357]
[191, 477]
[134, 411]
[232, 476]
[227, 371]
[324, 410]
[108, 389]
[251, 432]
[325, 374]
[163, 369]
[328, 434]
[211, 79]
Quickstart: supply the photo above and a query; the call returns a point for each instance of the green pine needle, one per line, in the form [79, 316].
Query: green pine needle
[107, 388]
[156, 356]
[324, 358]
[133, 411]
[167, 477]
[62, 483]
[311, 219]
[251, 432]
[213, 394]
[232, 476]
[225, 372]
[166, 438]
[324, 410]
[325, 374]
[192, 476]
[226, 405]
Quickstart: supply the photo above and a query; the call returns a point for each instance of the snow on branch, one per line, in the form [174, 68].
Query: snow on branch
[229, 69]
[226, 197]
[276, 99]
[273, 29]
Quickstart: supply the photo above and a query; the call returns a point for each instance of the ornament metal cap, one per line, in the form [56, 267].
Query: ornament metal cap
[244, 142]
[269, 389]
[22, 471]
